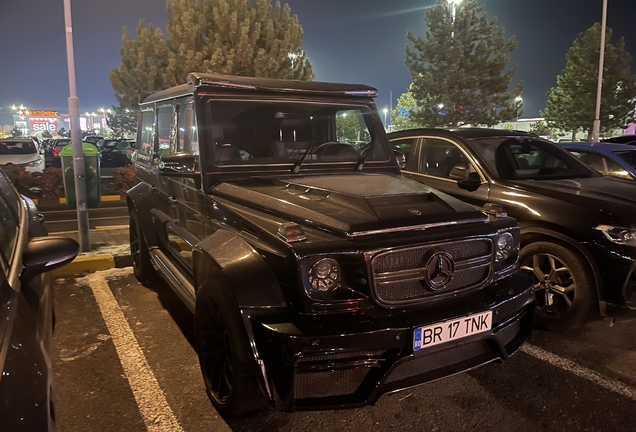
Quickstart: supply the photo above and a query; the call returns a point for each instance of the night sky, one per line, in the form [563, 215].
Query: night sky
[357, 41]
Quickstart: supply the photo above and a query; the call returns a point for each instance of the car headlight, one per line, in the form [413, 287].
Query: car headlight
[324, 275]
[506, 252]
[505, 246]
[34, 163]
[620, 235]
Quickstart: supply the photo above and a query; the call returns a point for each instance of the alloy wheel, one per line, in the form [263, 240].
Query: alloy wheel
[215, 356]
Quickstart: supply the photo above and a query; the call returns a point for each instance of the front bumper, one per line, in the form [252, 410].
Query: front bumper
[331, 362]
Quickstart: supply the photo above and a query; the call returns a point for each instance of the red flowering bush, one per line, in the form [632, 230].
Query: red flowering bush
[48, 184]
[124, 178]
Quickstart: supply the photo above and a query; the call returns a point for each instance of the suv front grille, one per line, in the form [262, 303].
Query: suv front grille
[399, 276]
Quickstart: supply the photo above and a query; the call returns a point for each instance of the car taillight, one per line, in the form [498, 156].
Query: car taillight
[56, 150]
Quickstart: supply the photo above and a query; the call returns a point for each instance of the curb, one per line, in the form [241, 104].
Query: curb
[62, 200]
[85, 263]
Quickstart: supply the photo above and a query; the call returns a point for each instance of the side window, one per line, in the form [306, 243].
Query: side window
[615, 169]
[407, 148]
[165, 130]
[594, 160]
[187, 136]
[8, 232]
[439, 156]
[146, 147]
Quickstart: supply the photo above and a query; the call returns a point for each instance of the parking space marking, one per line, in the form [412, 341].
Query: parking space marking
[154, 409]
[580, 371]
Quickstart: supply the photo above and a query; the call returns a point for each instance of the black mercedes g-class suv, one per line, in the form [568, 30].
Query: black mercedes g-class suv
[318, 276]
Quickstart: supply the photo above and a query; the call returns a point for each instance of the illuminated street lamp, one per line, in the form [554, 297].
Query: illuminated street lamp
[385, 111]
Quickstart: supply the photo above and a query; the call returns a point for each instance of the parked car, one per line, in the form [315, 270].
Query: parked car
[607, 158]
[26, 312]
[318, 276]
[578, 228]
[93, 139]
[114, 153]
[622, 139]
[56, 147]
[22, 152]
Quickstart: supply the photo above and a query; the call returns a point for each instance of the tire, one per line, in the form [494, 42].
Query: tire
[142, 265]
[564, 285]
[225, 356]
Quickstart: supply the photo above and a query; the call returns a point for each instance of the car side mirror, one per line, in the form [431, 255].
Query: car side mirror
[182, 162]
[400, 158]
[467, 180]
[43, 254]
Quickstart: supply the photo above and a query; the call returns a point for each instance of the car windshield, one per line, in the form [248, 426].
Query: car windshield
[527, 158]
[17, 147]
[274, 132]
[628, 156]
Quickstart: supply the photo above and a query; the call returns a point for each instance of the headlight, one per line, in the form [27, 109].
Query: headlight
[324, 275]
[34, 163]
[506, 252]
[620, 235]
[505, 246]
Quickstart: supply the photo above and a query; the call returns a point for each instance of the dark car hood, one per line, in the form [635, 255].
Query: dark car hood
[351, 204]
[609, 195]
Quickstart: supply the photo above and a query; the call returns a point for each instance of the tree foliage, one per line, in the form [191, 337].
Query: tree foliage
[233, 37]
[460, 69]
[404, 113]
[122, 122]
[571, 105]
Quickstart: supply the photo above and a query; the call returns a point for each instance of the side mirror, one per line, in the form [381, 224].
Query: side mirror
[465, 179]
[43, 254]
[400, 158]
[182, 162]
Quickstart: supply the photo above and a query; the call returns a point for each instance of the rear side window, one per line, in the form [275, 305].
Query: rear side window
[146, 146]
[406, 146]
[165, 130]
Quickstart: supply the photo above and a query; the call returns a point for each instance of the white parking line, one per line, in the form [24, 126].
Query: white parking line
[580, 371]
[154, 408]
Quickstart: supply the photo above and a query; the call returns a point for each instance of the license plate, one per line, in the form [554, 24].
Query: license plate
[447, 331]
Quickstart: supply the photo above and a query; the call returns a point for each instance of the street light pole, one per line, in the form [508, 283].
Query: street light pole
[596, 127]
[385, 111]
[79, 166]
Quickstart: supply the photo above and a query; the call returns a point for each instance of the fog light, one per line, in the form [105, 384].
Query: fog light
[324, 275]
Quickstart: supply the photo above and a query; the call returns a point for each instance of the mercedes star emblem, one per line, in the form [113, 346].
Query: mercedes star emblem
[440, 269]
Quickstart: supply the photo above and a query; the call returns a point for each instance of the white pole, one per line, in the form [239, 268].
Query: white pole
[596, 128]
[79, 166]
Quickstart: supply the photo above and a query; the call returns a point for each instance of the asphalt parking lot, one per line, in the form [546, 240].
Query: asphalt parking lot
[124, 361]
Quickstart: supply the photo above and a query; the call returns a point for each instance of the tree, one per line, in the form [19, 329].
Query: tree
[458, 70]
[571, 105]
[403, 115]
[122, 121]
[63, 133]
[230, 37]
[16, 132]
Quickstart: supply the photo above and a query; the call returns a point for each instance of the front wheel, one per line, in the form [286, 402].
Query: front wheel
[142, 265]
[563, 284]
[225, 355]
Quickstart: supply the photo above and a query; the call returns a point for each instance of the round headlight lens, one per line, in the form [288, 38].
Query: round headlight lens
[505, 246]
[324, 275]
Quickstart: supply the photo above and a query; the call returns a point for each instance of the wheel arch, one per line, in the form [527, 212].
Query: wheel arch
[140, 196]
[530, 234]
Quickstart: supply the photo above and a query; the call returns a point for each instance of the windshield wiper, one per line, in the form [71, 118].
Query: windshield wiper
[363, 159]
[300, 161]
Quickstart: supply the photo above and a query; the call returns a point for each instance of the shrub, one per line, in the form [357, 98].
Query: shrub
[48, 184]
[124, 178]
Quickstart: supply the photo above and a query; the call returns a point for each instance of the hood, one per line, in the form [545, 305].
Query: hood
[612, 196]
[19, 159]
[352, 204]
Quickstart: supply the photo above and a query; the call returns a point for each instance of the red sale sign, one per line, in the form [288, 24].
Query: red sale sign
[42, 124]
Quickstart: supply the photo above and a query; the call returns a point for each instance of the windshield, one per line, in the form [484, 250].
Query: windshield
[17, 147]
[274, 132]
[628, 156]
[527, 158]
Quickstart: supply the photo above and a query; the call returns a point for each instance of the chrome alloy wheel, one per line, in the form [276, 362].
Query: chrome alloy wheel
[554, 285]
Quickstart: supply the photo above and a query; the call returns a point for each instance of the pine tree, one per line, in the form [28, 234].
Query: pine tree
[571, 105]
[142, 64]
[230, 37]
[122, 122]
[458, 69]
[403, 115]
